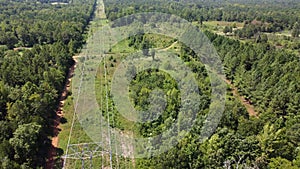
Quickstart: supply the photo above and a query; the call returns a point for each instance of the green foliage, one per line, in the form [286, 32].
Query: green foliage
[33, 75]
[262, 38]
[25, 143]
[267, 79]
[281, 163]
[276, 16]
[227, 29]
[43, 25]
[296, 30]
[152, 53]
[142, 88]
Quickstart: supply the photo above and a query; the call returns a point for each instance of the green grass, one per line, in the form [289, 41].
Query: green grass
[223, 23]
[160, 41]
[280, 40]
[122, 47]
[78, 134]
[284, 33]
[219, 25]
[113, 59]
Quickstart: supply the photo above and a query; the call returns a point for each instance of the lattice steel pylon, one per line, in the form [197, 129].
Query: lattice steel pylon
[85, 152]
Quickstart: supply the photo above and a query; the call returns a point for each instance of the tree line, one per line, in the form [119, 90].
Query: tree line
[277, 16]
[32, 79]
[267, 77]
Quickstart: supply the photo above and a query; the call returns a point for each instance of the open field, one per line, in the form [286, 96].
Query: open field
[223, 24]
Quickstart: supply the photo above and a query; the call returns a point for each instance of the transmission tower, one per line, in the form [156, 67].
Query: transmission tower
[85, 152]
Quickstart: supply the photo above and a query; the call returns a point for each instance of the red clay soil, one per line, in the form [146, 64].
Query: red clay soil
[59, 114]
[247, 103]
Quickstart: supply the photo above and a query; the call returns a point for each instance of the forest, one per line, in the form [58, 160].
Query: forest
[39, 38]
[37, 42]
[266, 76]
[268, 79]
[278, 15]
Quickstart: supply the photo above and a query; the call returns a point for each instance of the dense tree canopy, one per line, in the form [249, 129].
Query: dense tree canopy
[277, 15]
[267, 77]
[38, 39]
[32, 76]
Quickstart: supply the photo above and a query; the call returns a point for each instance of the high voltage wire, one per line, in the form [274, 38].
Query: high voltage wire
[113, 121]
[115, 140]
[75, 109]
[101, 114]
[73, 119]
[87, 154]
[125, 159]
[108, 118]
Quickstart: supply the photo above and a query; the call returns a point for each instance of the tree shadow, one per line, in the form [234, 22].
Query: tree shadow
[63, 120]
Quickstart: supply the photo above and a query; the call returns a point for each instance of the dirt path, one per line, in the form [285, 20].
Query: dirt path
[127, 148]
[249, 107]
[59, 114]
[172, 45]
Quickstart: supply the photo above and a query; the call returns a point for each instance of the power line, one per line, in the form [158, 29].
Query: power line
[85, 152]
[101, 114]
[75, 109]
[108, 118]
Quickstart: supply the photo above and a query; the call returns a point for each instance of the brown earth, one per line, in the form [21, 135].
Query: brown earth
[247, 103]
[59, 114]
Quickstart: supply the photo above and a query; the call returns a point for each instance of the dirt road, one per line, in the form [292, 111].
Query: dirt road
[59, 114]
[249, 107]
